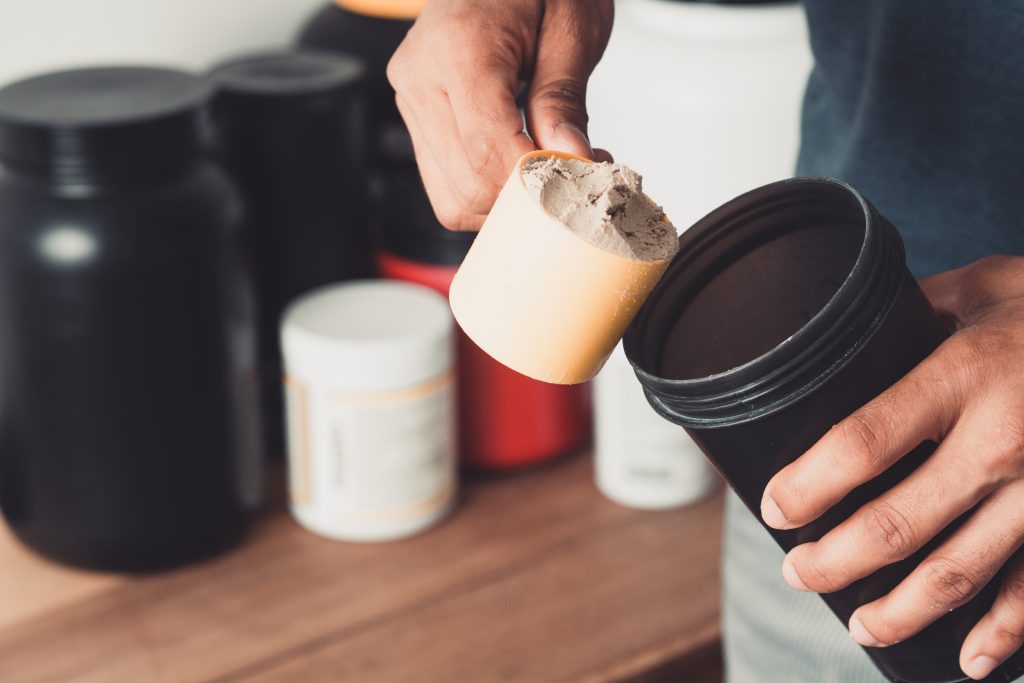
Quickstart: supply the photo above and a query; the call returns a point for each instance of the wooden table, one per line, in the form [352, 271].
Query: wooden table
[535, 578]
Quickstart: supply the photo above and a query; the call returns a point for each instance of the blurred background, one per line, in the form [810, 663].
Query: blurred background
[38, 37]
[241, 437]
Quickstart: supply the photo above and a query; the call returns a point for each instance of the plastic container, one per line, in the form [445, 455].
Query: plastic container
[128, 431]
[292, 129]
[712, 96]
[371, 30]
[539, 298]
[640, 460]
[371, 409]
[506, 420]
[814, 313]
[731, 114]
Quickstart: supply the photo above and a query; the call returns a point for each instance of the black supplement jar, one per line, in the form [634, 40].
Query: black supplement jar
[371, 30]
[128, 394]
[784, 311]
[292, 129]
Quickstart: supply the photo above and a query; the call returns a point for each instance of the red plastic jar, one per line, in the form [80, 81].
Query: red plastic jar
[506, 420]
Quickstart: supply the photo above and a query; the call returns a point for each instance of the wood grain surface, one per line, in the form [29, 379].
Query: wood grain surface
[534, 578]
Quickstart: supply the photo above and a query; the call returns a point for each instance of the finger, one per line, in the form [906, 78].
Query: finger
[603, 155]
[449, 207]
[949, 577]
[489, 126]
[570, 44]
[1000, 632]
[920, 407]
[439, 135]
[962, 293]
[900, 521]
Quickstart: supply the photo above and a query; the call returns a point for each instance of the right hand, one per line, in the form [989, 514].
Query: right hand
[456, 77]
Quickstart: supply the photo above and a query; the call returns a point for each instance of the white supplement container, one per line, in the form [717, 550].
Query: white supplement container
[640, 459]
[702, 98]
[722, 86]
[370, 409]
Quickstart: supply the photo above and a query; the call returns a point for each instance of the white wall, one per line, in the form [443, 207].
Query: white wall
[41, 35]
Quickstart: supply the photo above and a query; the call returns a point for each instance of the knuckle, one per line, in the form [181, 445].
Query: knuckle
[1013, 590]
[864, 437]
[449, 215]
[949, 583]
[1010, 632]
[481, 157]
[397, 70]
[890, 530]
[974, 348]
[479, 196]
[565, 94]
[461, 21]
[1006, 457]
[587, 24]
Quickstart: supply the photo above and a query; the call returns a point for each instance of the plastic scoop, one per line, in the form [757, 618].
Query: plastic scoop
[541, 299]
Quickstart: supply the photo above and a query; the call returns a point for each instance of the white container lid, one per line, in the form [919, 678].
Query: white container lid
[368, 335]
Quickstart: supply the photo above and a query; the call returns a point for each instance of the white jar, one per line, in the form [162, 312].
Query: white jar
[370, 409]
[640, 459]
[702, 99]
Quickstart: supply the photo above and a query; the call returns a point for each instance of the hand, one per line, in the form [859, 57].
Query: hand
[968, 396]
[456, 77]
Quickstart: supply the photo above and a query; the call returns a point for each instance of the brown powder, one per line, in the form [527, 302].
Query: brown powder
[604, 204]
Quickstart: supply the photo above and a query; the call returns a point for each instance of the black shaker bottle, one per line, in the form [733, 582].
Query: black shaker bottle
[292, 130]
[784, 311]
[128, 435]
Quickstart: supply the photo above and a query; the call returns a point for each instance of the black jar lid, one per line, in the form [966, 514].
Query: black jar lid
[126, 118]
[410, 230]
[281, 83]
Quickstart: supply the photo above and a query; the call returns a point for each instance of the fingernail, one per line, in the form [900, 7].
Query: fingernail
[791, 577]
[772, 515]
[979, 667]
[861, 634]
[569, 138]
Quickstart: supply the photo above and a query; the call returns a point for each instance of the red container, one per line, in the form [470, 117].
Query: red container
[506, 420]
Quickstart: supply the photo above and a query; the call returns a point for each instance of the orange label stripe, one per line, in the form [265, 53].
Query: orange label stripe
[395, 396]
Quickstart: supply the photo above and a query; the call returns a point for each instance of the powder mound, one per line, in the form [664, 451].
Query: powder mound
[604, 204]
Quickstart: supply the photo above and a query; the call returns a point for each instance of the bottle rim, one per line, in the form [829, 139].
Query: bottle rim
[808, 357]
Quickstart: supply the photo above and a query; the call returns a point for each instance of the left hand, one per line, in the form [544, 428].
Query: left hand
[969, 396]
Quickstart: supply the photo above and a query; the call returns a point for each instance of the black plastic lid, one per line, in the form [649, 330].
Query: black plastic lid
[410, 230]
[119, 119]
[280, 83]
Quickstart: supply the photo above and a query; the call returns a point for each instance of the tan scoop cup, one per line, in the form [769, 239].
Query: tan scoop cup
[540, 299]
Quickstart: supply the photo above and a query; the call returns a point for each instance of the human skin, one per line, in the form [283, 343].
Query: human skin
[969, 397]
[456, 77]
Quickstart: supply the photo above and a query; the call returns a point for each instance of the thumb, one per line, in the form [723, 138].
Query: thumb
[568, 48]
